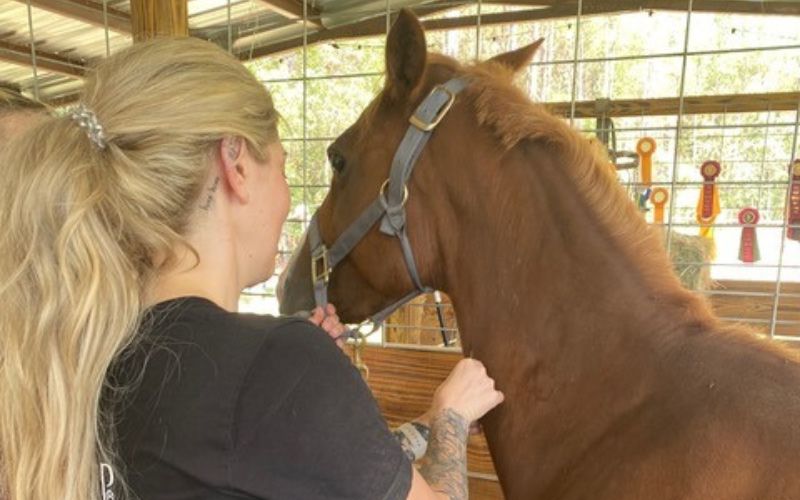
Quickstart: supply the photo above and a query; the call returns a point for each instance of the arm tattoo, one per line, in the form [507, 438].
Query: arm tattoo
[210, 194]
[445, 464]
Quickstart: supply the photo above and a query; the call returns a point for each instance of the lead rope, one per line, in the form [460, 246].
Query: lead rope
[358, 359]
[359, 341]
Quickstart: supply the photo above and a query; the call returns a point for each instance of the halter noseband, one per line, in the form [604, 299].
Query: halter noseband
[389, 207]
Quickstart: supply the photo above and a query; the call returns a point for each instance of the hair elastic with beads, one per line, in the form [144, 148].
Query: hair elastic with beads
[87, 120]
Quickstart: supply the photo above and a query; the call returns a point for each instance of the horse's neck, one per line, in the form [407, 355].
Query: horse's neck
[532, 254]
[563, 321]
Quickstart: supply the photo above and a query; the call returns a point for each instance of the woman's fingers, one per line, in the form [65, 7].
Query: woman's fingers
[469, 390]
[316, 316]
[329, 321]
[330, 309]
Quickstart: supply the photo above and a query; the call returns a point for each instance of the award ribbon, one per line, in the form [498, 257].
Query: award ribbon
[708, 203]
[748, 247]
[646, 147]
[793, 232]
[659, 199]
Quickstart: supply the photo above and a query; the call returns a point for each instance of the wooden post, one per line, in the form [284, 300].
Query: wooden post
[151, 18]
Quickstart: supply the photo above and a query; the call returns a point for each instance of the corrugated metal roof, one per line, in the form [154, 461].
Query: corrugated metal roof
[64, 46]
[70, 44]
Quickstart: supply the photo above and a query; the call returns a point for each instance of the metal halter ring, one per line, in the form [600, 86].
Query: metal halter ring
[385, 203]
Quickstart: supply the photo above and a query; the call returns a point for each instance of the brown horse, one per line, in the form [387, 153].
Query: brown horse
[619, 383]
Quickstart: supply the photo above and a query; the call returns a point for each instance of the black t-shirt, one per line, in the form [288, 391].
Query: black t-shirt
[226, 405]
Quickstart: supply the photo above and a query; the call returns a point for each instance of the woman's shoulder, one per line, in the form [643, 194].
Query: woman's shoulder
[199, 378]
[196, 322]
[235, 347]
[190, 341]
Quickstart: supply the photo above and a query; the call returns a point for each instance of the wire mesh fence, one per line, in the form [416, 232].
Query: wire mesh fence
[646, 73]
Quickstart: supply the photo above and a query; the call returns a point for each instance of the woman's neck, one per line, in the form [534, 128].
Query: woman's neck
[212, 272]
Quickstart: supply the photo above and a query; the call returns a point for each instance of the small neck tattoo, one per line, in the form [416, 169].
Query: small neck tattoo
[210, 195]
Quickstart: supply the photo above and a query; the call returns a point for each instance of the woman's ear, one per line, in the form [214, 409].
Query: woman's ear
[232, 152]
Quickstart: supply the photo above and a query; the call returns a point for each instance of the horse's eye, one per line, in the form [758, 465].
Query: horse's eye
[336, 160]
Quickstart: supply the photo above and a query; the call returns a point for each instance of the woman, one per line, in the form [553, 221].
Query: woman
[131, 227]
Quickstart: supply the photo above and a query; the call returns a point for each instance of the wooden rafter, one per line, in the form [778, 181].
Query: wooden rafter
[152, 18]
[791, 8]
[692, 105]
[293, 9]
[86, 11]
[377, 26]
[542, 10]
[555, 12]
[21, 55]
[728, 6]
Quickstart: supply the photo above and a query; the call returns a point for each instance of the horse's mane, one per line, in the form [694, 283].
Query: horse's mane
[504, 109]
[511, 115]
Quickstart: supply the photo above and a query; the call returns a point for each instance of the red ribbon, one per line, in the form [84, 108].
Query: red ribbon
[794, 203]
[748, 248]
[709, 170]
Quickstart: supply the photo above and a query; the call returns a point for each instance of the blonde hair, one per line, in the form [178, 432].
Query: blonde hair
[81, 228]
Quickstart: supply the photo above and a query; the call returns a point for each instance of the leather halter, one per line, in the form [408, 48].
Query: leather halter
[389, 207]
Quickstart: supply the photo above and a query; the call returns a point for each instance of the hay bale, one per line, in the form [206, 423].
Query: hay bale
[691, 258]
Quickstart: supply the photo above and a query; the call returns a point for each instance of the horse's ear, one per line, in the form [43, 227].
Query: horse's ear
[518, 59]
[406, 53]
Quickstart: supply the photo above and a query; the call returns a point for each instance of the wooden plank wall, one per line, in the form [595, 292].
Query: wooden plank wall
[757, 306]
[418, 323]
[403, 380]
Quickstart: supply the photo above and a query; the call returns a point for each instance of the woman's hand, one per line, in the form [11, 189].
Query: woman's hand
[329, 322]
[466, 395]
[468, 390]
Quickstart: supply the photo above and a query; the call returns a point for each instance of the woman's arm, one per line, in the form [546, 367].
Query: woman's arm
[445, 465]
[466, 395]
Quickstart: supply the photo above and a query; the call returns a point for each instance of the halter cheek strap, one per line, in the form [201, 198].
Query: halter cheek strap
[389, 206]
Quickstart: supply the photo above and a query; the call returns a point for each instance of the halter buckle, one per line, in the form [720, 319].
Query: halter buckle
[428, 126]
[319, 265]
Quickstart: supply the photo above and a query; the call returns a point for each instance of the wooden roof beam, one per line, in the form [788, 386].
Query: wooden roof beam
[545, 9]
[87, 12]
[735, 103]
[727, 6]
[21, 55]
[293, 9]
[377, 26]
[153, 18]
[722, 6]
[541, 14]
[692, 105]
